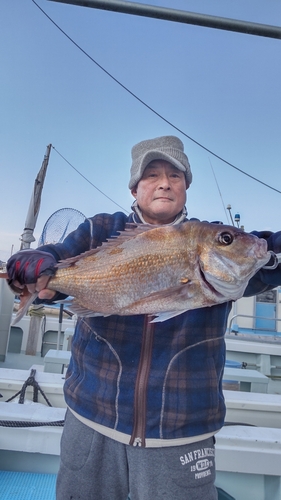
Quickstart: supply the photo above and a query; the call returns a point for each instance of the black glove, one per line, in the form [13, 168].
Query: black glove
[26, 266]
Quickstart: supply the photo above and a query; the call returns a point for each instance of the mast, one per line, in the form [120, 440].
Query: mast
[180, 16]
[27, 236]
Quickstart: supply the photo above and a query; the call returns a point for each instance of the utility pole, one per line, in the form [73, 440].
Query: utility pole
[27, 236]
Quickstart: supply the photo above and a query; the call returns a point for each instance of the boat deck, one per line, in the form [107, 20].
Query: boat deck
[27, 486]
[33, 486]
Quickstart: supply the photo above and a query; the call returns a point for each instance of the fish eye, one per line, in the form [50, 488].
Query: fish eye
[225, 238]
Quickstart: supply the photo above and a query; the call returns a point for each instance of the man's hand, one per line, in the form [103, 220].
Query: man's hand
[33, 269]
[46, 294]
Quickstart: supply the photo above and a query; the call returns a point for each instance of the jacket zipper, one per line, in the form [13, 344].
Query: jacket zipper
[140, 398]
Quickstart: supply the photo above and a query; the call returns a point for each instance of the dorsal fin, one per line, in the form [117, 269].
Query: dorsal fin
[131, 230]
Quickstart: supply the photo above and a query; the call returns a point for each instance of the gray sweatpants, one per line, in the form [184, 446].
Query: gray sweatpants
[95, 467]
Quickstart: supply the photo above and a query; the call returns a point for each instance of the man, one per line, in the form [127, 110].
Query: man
[145, 399]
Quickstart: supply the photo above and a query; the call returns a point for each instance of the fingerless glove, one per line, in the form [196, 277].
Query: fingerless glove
[27, 265]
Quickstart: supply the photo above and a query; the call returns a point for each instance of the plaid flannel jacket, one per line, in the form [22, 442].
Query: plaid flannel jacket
[184, 395]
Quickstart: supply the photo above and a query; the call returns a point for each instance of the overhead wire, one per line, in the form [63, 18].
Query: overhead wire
[86, 179]
[152, 109]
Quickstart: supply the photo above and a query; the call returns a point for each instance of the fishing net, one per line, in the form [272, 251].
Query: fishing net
[60, 224]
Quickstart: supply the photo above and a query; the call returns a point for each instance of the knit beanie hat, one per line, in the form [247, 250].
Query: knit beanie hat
[169, 148]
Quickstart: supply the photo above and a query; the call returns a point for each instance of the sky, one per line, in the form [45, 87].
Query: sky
[218, 88]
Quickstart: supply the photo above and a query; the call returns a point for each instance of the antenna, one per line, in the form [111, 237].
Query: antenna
[219, 190]
[229, 209]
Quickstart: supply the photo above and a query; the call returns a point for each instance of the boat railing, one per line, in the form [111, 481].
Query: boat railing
[235, 330]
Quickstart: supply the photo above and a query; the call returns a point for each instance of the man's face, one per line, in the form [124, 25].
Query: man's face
[161, 192]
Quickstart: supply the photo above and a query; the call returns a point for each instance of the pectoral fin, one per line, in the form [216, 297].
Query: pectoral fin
[175, 299]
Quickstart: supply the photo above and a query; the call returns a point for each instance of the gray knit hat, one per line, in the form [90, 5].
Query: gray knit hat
[167, 148]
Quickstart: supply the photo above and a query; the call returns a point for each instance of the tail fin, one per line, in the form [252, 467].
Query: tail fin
[26, 299]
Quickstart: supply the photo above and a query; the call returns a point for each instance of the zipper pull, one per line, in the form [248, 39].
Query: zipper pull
[137, 442]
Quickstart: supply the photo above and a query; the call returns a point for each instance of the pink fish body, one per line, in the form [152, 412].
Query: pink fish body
[162, 271]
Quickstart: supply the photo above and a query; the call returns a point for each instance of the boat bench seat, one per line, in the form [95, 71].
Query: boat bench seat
[55, 360]
[250, 380]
